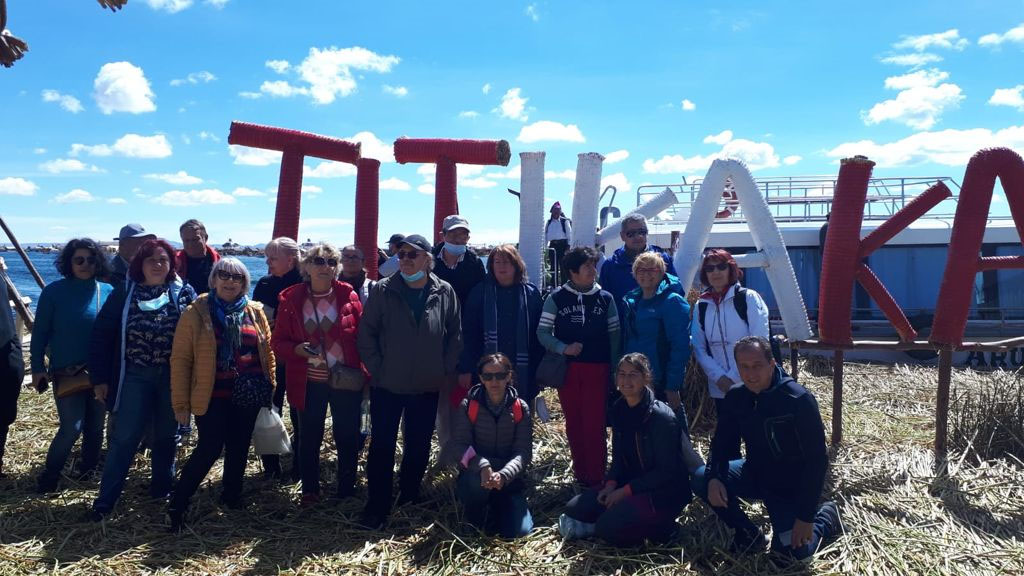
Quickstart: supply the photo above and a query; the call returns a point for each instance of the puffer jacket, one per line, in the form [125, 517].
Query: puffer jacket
[714, 342]
[498, 440]
[659, 328]
[194, 355]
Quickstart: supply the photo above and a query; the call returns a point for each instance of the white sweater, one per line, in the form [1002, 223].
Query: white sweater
[724, 329]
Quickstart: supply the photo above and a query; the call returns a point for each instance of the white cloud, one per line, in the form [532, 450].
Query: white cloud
[913, 60]
[1015, 35]
[309, 189]
[194, 197]
[531, 12]
[250, 95]
[204, 135]
[329, 169]
[186, 139]
[547, 131]
[950, 40]
[17, 187]
[373, 147]
[201, 77]
[62, 165]
[921, 102]
[179, 178]
[721, 138]
[559, 175]
[482, 183]
[1013, 97]
[246, 156]
[399, 91]
[513, 172]
[69, 103]
[426, 170]
[486, 89]
[468, 114]
[76, 195]
[616, 156]
[688, 105]
[218, 4]
[122, 87]
[394, 184]
[282, 89]
[116, 201]
[329, 71]
[513, 105]
[242, 192]
[39, 151]
[170, 6]
[618, 180]
[427, 189]
[791, 160]
[756, 155]
[945, 147]
[279, 66]
[129, 146]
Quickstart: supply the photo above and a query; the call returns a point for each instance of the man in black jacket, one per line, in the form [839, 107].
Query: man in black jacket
[12, 370]
[780, 425]
[454, 262]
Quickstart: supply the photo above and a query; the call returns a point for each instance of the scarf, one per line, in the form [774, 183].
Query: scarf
[522, 358]
[228, 316]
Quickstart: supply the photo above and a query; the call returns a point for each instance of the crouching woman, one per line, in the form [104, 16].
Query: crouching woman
[492, 443]
[646, 487]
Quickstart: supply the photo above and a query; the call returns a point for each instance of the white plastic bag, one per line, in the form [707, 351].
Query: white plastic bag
[269, 435]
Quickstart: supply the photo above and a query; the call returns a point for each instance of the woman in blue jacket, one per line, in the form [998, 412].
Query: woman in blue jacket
[64, 317]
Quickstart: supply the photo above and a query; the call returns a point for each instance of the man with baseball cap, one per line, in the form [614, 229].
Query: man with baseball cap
[454, 262]
[390, 266]
[132, 236]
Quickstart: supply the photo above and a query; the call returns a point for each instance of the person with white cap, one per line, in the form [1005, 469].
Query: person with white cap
[128, 241]
[455, 263]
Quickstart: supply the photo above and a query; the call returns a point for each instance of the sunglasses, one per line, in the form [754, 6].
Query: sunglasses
[408, 255]
[637, 232]
[488, 376]
[321, 261]
[225, 276]
[721, 267]
[351, 257]
[640, 271]
[79, 260]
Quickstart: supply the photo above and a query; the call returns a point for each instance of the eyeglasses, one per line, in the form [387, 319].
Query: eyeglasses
[225, 276]
[321, 261]
[488, 376]
[79, 260]
[721, 267]
[637, 232]
[351, 257]
[640, 271]
[408, 255]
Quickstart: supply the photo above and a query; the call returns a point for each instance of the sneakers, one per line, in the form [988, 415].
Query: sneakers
[573, 529]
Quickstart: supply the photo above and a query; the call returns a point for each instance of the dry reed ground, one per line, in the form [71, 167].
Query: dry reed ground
[901, 517]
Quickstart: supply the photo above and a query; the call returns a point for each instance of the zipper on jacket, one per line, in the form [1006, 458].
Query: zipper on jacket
[721, 334]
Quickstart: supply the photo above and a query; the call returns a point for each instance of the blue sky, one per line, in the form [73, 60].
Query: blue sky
[112, 118]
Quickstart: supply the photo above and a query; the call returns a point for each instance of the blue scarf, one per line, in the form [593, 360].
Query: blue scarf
[522, 357]
[228, 316]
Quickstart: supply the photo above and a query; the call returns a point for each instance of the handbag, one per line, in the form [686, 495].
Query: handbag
[341, 377]
[251, 391]
[551, 371]
[71, 380]
[269, 435]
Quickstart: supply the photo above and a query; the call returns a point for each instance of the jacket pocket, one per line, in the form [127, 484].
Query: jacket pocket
[782, 438]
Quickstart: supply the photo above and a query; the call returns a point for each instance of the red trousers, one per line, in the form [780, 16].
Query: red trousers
[583, 398]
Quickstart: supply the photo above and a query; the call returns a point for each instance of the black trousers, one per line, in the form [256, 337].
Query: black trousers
[224, 428]
[11, 374]
[344, 405]
[556, 251]
[386, 412]
[272, 462]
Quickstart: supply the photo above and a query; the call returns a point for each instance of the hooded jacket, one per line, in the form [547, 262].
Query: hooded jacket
[722, 328]
[660, 329]
[617, 272]
[591, 318]
[496, 438]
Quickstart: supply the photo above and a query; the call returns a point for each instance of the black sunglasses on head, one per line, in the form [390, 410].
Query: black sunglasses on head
[225, 276]
[79, 260]
[321, 261]
[721, 266]
[637, 232]
[488, 376]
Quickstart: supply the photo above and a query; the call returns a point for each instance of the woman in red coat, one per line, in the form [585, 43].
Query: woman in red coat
[315, 335]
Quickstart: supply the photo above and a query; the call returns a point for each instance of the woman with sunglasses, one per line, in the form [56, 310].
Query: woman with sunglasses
[65, 314]
[492, 443]
[222, 370]
[129, 367]
[315, 336]
[646, 488]
[719, 322]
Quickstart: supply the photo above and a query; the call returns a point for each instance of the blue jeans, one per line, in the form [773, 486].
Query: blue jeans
[740, 483]
[145, 401]
[80, 414]
[507, 507]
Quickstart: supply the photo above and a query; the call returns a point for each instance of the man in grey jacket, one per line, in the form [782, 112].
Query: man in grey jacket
[409, 339]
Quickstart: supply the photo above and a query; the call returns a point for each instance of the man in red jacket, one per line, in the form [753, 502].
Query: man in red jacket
[196, 260]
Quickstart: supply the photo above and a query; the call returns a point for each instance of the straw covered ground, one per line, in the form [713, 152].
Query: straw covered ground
[901, 516]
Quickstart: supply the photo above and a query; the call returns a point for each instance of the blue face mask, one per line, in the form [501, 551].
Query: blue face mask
[154, 304]
[455, 249]
[413, 277]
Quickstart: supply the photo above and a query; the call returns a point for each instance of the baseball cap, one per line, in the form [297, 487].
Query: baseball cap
[396, 239]
[133, 230]
[416, 241]
[454, 221]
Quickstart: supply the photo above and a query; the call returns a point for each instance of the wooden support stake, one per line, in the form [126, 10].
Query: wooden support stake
[837, 398]
[794, 363]
[17, 247]
[12, 292]
[942, 405]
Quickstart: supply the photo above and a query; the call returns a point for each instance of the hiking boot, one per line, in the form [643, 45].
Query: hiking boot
[573, 529]
[45, 485]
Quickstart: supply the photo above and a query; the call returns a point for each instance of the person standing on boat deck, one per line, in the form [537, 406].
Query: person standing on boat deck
[779, 422]
[725, 313]
[390, 266]
[410, 339]
[196, 260]
[617, 271]
[492, 444]
[501, 315]
[65, 314]
[128, 241]
[354, 274]
[581, 321]
[315, 333]
[558, 233]
[283, 257]
[12, 370]
[643, 494]
[222, 370]
[129, 368]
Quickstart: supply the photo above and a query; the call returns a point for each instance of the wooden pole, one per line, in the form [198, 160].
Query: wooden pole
[942, 405]
[24, 256]
[12, 292]
[837, 398]
[794, 363]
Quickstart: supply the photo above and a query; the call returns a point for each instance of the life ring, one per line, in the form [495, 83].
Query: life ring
[731, 201]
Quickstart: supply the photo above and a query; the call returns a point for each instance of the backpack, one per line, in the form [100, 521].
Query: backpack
[739, 301]
[473, 410]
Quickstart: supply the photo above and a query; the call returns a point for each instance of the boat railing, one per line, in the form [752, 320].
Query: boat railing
[806, 198]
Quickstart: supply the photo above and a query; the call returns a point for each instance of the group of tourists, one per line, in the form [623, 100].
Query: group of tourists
[157, 338]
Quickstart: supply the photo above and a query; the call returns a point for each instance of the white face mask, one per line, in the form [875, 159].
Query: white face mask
[455, 249]
[154, 304]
